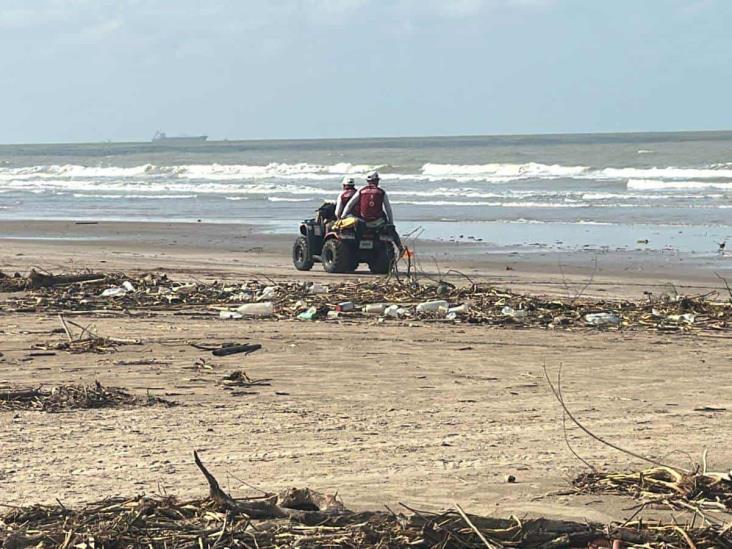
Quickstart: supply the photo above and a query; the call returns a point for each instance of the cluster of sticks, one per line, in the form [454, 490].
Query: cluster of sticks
[681, 490]
[73, 397]
[304, 519]
[486, 304]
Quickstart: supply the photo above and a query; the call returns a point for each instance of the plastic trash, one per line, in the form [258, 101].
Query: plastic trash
[317, 289]
[310, 314]
[127, 285]
[345, 307]
[451, 316]
[375, 308]
[267, 293]
[256, 309]
[332, 315]
[394, 311]
[433, 306]
[459, 310]
[116, 291]
[514, 313]
[230, 315]
[603, 319]
[687, 318]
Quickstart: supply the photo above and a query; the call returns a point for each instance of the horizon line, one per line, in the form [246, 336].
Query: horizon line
[366, 138]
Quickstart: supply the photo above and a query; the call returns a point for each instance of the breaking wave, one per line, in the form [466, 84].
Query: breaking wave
[660, 185]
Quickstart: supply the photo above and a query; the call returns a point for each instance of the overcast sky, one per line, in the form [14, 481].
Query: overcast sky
[90, 70]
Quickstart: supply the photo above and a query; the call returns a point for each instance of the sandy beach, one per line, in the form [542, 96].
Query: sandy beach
[382, 413]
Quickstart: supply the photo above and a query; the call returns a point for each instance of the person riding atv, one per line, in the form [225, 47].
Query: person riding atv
[371, 206]
[344, 243]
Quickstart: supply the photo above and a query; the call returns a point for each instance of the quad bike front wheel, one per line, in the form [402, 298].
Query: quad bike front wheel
[336, 256]
[301, 256]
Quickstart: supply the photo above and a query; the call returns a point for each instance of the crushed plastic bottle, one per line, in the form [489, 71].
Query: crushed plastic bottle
[394, 311]
[375, 309]
[230, 315]
[310, 314]
[127, 285]
[115, 291]
[517, 314]
[267, 294]
[459, 310]
[439, 306]
[256, 309]
[603, 319]
[318, 289]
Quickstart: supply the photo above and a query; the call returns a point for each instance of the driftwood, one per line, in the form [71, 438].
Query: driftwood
[40, 280]
[234, 349]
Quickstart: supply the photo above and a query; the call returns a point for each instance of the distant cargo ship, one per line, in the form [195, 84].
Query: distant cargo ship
[160, 137]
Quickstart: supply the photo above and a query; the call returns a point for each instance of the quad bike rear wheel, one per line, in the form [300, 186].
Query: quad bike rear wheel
[301, 256]
[336, 256]
[383, 258]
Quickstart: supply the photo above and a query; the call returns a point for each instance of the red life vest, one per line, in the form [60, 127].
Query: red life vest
[344, 197]
[371, 203]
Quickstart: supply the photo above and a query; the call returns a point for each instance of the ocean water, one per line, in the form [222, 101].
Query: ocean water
[605, 191]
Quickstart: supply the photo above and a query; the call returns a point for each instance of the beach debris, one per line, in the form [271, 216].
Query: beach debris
[474, 303]
[116, 291]
[36, 280]
[256, 309]
[267, 294]
[345, 307]
[514, 314]
[375, 308]
[234, 348]
[310, 314]
[510, 479]
[439, 306]
[317, 289]
[239, 378]
[603, 319]
[301, 517]
[73, 397]
[230, 315]
[677, 489]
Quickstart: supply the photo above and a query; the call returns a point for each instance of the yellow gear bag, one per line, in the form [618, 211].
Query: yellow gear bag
[345, 223]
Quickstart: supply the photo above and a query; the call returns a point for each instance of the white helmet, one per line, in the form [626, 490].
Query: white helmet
[349, 182]
[373, 177]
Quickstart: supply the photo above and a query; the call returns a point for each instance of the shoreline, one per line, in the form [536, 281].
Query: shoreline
[231, 250]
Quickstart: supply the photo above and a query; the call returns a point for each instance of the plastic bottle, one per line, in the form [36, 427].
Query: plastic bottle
[310, 314]
[393, 311]
[459, 310]
[256, 309]
[267, 293]
[433, 306]
[375, 308]
[603, 319]
[229, 315]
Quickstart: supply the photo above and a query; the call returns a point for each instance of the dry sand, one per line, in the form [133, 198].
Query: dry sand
[425, 414]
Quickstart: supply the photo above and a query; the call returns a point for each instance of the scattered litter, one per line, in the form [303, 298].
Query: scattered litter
[73, 397]
[375, 308]
[300, 517]
[310, 314]
[345, 307]
[232, 315]
[318, 289]
[256, 309]
[437, 306]
[513, 313]
[603, 319]
[227, 350]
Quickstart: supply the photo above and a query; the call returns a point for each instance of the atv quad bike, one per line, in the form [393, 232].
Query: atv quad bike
[335, 245]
